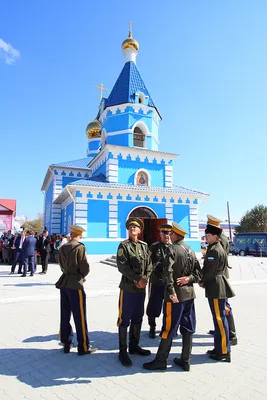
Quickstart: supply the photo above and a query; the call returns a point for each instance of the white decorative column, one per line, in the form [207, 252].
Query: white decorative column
[56, 219]
[113, 219]
[168, 176]
[194, 225]
[112, 170]
[81, 207]
[169, 212]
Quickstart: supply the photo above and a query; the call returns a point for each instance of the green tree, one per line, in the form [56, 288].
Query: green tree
[254, 220]
[36, 225]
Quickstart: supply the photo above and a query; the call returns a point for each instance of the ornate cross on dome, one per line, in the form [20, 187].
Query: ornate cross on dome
[101, 88]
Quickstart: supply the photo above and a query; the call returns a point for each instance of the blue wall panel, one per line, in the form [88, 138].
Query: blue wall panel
[97, 218]
[100, 170]
[194, 244]
[127, 169]
[125, 207]
[101, 247]
[68, 179]
[181, 216]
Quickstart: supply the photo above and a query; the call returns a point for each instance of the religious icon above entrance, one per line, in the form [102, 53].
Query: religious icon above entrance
[142, 179]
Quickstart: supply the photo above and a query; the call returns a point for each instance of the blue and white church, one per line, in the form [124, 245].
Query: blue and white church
[124, 174]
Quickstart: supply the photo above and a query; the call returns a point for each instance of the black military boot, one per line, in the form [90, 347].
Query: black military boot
[184, 361]
[123, 355]
[134, 338]
[223, 357]
[152, 330]
[160, 362]
[232, 331]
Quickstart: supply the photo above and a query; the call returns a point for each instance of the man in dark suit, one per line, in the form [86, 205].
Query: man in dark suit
[44, 249]
[28, 247]
[18, 253]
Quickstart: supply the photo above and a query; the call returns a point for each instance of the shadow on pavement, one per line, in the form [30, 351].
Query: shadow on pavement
[109, 340]
[40, 367]
[29, 284]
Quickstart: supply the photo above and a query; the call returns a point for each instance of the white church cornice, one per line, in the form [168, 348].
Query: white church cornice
[132, 152]
[111, 111]
[54, 171]
[124, 192]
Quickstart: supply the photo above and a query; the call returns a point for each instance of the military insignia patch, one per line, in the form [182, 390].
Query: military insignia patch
[120, 252]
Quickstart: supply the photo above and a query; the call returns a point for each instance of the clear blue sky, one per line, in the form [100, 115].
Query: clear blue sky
[204, 63]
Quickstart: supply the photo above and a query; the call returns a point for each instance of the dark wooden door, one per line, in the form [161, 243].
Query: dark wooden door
[150, 233]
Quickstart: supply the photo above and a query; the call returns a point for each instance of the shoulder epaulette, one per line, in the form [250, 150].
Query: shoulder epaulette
[125, 241]
[154, 244]
[140, 241]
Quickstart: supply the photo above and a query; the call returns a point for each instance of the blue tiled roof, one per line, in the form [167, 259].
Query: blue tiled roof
[100, 184]
[127, 85]
[81, 163]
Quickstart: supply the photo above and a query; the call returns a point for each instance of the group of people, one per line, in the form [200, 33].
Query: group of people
[26, 248]
[170, 269]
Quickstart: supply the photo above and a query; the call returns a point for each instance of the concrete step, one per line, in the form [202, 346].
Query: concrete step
[110, 261]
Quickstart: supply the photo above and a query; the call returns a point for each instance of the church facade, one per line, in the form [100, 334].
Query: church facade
[123, 175]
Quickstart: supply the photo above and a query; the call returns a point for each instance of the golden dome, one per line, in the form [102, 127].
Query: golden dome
[130, 43]
[93, 130]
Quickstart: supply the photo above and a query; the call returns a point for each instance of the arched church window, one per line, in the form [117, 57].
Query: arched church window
[141, 98]
[139, 137]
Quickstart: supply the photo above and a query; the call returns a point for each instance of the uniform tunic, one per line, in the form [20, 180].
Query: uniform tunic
[156, 286]
[134, 263]
[217, 289]
[180, 261]
[74, 267]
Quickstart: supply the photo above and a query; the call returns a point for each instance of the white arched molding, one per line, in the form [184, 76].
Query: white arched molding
[141, 125]
[142, 206]
[138, 173]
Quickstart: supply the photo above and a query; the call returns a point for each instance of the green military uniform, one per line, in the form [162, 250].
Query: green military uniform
[157, 253]
[156, 286]
[217, 289]
[134, 263]
[228, 309]
[181, 270]
[176, 264]
[215, 283]
[74, 266]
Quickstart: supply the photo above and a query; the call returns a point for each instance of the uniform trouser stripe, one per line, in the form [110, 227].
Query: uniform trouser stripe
[168, 320]
[221, 326]
[82, 321]
[120, 308]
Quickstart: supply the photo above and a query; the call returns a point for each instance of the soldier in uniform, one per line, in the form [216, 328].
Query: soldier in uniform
[228, 309]
[218, 290]
[74, 266]
[181, 271]
[156, 286]
[135, 265]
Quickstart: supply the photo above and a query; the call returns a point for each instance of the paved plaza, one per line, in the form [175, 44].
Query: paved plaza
[33, 365]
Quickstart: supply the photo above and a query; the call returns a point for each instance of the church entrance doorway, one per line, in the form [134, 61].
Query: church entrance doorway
[150, 233]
